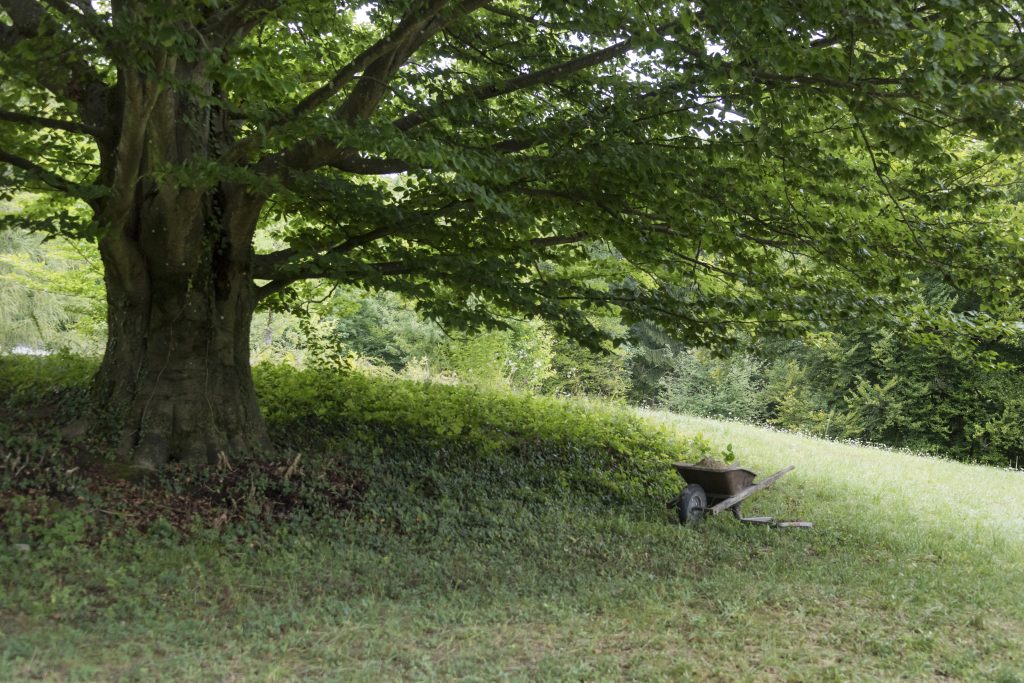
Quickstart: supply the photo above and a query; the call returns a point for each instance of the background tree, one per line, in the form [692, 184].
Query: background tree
[700, 165]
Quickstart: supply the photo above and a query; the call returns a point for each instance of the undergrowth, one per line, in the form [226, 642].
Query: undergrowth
[346, 443]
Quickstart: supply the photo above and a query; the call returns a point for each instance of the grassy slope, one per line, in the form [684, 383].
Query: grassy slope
[914, 570]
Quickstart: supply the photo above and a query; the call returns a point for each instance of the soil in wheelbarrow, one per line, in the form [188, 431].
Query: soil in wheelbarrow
[712, 464]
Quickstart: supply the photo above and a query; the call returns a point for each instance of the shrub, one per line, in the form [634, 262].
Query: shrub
[577, 371]
[701, 384]
[518, 358]
[888, 387]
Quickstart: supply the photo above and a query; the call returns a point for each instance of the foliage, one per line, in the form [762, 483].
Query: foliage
[51, 295]
[390, 430]
[477, 414]
[347, 325]
[693, 165]
[519, 357]
[888, 387]
[36, 463]
[792, 398]
[378, 326]
[883, 386]
[946, 383]
[25, 379]
[652, 354]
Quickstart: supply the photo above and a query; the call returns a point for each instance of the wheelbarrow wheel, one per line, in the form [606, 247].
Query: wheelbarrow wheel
[692, 502]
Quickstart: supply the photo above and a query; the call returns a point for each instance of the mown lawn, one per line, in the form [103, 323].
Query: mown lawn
[914, 571]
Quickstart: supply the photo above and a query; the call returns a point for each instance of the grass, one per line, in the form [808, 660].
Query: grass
[914, 571]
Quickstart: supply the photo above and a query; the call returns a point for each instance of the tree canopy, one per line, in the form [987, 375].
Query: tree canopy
[699, 165]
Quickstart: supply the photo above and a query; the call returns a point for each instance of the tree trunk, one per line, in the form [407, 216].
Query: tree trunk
[176, 376]
[176, 245]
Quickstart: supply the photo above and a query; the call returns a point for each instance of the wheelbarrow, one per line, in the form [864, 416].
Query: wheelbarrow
[710, 491]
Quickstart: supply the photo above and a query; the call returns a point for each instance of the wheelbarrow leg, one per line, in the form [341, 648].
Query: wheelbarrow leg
[750, 520]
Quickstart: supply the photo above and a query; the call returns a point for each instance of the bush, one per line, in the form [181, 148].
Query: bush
[701, 384]
[518, 358]
[483, 415]
[885, 386]
[794, 401]
[577, 371]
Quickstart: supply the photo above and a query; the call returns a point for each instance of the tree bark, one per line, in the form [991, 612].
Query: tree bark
[176, 244]
[176, 379]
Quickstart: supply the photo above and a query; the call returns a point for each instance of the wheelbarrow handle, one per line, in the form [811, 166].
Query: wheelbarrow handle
[745, 493]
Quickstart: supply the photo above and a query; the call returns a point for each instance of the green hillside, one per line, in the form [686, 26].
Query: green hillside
[427, 532]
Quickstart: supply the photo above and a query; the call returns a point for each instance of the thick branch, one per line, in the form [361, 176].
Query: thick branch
[43, 122]
[280, 268]
[369, 91]
[235, 21]
[377, 66]
[541, 77]
[85, 86]
[353, 162]
[346, 159]
[270, 266]
[408, 28]
[558, 240]
[279, 264]
[360, 165]
[383, 268]
[54, 180]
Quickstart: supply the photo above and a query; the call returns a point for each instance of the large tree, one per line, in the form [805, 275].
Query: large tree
[696, 164]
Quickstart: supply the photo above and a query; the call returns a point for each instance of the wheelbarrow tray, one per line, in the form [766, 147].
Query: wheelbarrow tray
[717, 483]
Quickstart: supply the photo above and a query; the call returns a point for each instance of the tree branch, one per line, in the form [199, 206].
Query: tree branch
[541, 77]
[43, 122]
[54, 180]
[558, 240]
[377, 66]
[268, 266]
[85, 87]
[382, 268]
[358, 164]
[408, 28]
[236, 20]
[311, 155]
[368, 92]
[274, 265]
[81, 12]
[278, 266]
